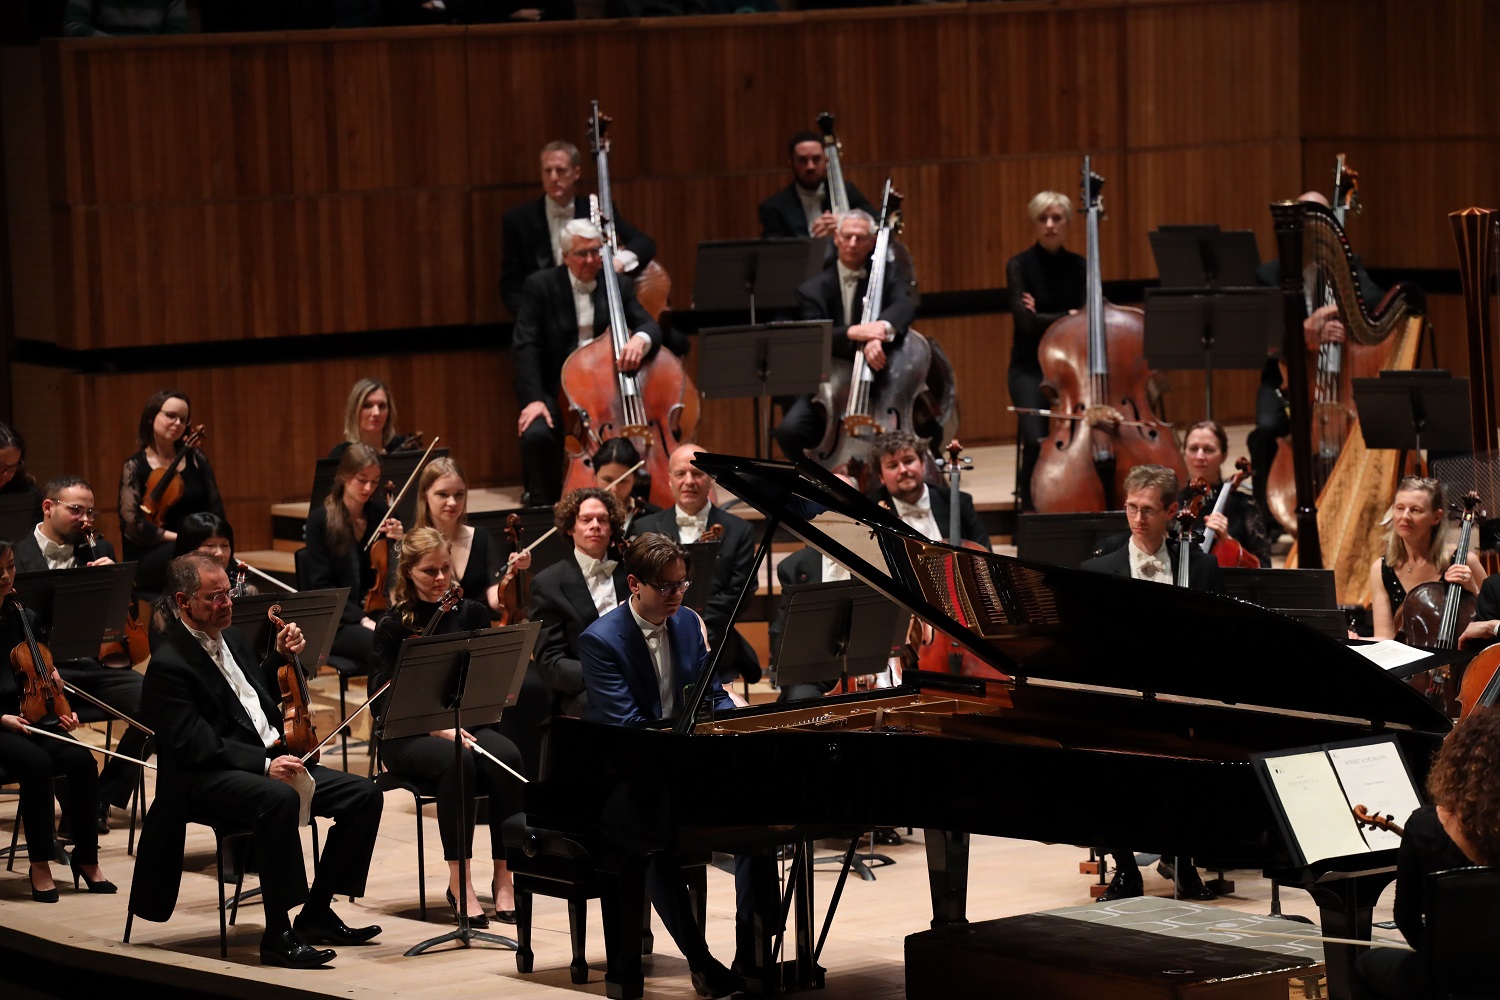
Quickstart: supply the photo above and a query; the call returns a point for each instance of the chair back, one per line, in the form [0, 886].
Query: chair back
[1462, 939]
[299, 563]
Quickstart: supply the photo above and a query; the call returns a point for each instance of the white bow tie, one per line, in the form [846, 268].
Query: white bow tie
[1152, 567]
[691, 520]
[583, 288]
[854, 277]
[604, 567]
[922, 506]
[52, 550]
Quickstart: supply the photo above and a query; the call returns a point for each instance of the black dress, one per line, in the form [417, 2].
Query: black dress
[428, 761]
[323, 569]
[485, 566]
[1058, 282]
[144, 541]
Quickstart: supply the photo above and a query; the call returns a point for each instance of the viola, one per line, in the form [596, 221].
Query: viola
[1103, 423]
[379, 549]
[298, 731]
[164, 485]
[42, 698]
[1435, 613]
[1226, 550]
[655, 406]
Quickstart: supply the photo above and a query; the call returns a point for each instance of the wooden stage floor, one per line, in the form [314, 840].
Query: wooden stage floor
[863, 955]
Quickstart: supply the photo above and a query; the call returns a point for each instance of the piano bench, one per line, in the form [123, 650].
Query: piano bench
[573, 878]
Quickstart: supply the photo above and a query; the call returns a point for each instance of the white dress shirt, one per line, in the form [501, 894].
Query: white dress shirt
[1144, 566]
[659, 643]
[919, 515]
[812, 204]
[599, 575]
[690, 527]
[848, 285]
[583, 305]
[557, 217]
[834, 571]
[234, 675]
[57, 556]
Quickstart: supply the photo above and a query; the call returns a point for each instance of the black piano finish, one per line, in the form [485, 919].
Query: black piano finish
[1108, 735]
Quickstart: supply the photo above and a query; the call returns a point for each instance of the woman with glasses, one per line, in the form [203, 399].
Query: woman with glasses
[164, 421]
[1204, 450]
[15, 479]
[422, 578]
[1418, 550]
[337, 554]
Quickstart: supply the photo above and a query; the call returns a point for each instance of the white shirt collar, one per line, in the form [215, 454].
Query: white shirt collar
[922, 506]
[1155, 567]
[563, 211]
[52, 551]
[648, 629]
[700, 518]
[593, 567]
[582, 287]
[850, 277]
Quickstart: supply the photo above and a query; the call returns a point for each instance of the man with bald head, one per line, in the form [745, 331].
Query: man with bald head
[685, 522]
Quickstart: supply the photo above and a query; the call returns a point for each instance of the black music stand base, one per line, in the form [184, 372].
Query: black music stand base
[861, 864]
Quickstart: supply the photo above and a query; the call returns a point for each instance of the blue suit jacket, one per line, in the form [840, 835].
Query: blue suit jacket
[618, 674]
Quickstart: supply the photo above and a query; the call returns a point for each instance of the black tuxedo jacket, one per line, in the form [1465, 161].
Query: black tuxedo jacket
[731, 568]
[781, 215]
[1203, 569]
[546, 330]
[560, 600]
[528, 245]
[970, 526]
[29, 558]
[823, 298]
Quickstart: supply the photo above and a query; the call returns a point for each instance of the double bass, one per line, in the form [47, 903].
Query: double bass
[655, 406]
[1102, 424]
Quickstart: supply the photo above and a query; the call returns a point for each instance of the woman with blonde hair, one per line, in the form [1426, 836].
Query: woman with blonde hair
[1418, 550]
[370, 418]
[479, 565]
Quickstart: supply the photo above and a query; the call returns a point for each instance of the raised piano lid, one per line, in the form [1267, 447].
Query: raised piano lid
[1046, 624]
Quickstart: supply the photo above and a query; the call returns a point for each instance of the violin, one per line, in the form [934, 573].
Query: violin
[1226, 550]
[1187, 517]
[655, 406]
[299, 733]
[1375, 821]
[164, 485]
[410, 442]
[42, 698]
[117, 653]
[379, 549]
[514, 599]
[1103, 423]
[1435, 613]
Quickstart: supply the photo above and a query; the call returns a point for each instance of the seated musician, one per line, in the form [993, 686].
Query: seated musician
[563, 308]
[214, 537]
[1204, 451]
[33, 762]
[639, 663]
[1044, 283]
[1322, 326]
[224, 760]
[1151, 555]
[337, 555]
[532, 232]
[1484, 630]
[898, 456]
[694, 514]
[164, 421]
[422, 578]
[61, 541]
[614, 459]
[15, 480]
[1418, 549]
[1457, 829]
[479, 566]
[803, 207]
[806, 565]
[838, 294]
[370, 418]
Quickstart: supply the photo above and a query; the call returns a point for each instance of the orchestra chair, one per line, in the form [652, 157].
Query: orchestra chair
[229, 909]
[1462, 932]
[551, 864]
[12, 852]
[342, 665]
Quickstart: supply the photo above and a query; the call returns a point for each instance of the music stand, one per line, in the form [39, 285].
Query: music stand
[740, 275]
[18, 515]
[1065, 539]
[1280, 589]
[86, 598]
[1209, 310]
[396, 467]
[316, 612]
[535, 522]
[702, 556]
[1412, 410]
[759, 362]
[457, 681]
[834, 630]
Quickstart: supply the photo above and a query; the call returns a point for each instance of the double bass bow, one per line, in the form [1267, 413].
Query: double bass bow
[164, 485]
[1093, 362]
[655, 405]
[1226, 550]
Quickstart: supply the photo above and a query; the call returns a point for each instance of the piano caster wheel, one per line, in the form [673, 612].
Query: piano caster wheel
[523, 962]
[1089, 867]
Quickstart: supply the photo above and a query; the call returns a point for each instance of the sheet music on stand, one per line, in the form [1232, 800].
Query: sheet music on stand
[87, 598]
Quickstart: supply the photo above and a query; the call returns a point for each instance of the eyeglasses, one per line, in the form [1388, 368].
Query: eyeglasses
[12, 468]
[672, 589]
[78, 509]
[1146, 512]
[585, 254]
[175, 418]
[219, 600]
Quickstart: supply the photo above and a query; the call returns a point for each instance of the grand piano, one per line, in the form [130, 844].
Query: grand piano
[1114, 728]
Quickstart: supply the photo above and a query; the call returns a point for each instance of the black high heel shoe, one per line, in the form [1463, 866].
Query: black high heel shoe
[104, 885]
[477, 921]
[42, 895]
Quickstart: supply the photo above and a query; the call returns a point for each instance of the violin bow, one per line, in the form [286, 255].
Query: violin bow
[409, 480]
[345, 724]
[267, 577]
[68, 739]
[102, 704]
[553, 530]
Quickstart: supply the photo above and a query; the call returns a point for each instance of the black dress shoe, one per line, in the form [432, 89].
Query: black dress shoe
[1125, 885]
[327, 928]
[289, 951]
[477, 921]
[1189, 885]
[506, 916]
[888, 837]
[717, 981]
[43, 895]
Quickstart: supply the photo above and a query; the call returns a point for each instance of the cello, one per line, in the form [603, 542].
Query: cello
[1187, 534]
[1226, 550]
[655, 406]
[1102, 424]
[1435, 613]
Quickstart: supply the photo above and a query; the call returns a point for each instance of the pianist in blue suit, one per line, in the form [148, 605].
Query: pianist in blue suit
[639, 661]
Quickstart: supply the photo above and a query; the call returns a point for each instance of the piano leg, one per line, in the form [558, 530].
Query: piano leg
[948, 877]
[621, 903]
[1345, 909]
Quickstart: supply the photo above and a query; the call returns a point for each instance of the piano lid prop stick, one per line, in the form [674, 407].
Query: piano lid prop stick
[1372, 943]
[607, 486]
[406, 486]
[68, 739]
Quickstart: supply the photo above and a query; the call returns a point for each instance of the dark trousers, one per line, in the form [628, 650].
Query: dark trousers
[120, 689]
[428, 762]
[523, 722]
[542, 458]
[1387, 974]
[354, 642]
[33, 762]
[270, 807]
[667, 890]
[1025, 387]
[801, 428]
